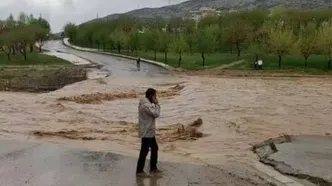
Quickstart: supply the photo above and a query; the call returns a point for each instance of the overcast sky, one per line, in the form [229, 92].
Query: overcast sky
[60, 12]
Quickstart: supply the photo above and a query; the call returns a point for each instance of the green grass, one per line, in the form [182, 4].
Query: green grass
[33, 58]
[189, 61]
[317, 64]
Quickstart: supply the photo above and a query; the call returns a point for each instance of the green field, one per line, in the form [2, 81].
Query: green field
[192, 61]
[317, 64]
[33, 58]
[189, 61]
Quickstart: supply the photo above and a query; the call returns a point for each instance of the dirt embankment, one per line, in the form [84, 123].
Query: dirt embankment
[98, 98]
[39, 78]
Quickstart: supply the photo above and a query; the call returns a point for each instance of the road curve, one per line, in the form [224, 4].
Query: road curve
[117, 67]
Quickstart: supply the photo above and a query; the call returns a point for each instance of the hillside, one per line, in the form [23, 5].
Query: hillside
[183, 9]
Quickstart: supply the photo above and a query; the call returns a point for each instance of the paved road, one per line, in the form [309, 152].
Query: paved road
[118, 67]
[306, 155]
[44, 164]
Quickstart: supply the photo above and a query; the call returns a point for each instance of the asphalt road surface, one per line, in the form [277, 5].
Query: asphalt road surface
[47, 164]
[117, 67]
[306, 155]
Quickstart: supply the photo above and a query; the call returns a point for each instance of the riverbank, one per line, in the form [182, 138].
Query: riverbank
[40, 72]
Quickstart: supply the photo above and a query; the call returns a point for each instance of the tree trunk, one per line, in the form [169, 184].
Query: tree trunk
[180, 59]
[238, 50]
[14, 51]
[24, 53]
[155, 55]
[203, 58]
[279, 61]
[329, 62]
[306, 61]
[119, 48]
[40, 49]
[31, 47]
[8, 56]
[104, 47]
[166, 57]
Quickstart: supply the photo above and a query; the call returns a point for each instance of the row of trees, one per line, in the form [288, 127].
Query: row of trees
[259, 32]
[21, 34]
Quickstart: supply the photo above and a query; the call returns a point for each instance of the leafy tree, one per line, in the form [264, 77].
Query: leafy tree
[325, 40]
[189, 26]
[164, 41]
[280, 41]
[22, 18]
[150, 41]
[41, 36]
[307, 42]
[6, 42]
[70, 31]
[191, 39]
[175, 25]
[43, 23]
[208, 40]
[23, 35]
[179, 45]
[120, 39]
[135, 41]
[10, 22]
[237, 32]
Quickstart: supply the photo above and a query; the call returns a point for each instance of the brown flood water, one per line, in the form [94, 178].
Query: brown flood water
[235, 112]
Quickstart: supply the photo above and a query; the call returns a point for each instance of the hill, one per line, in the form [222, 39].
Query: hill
[183, 9]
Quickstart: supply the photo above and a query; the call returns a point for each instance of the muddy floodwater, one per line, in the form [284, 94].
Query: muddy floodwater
[236, 113]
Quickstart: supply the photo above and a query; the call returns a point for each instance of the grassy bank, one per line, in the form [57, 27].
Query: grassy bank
[191, 61]
[33, 58]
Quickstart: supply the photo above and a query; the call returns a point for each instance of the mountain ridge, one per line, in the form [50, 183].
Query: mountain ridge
[183, 9]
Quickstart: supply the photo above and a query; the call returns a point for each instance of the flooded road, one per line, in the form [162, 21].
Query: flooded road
[117, 67]
[236, 112]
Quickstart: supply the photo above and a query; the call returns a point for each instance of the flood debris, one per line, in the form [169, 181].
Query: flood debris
[98, 98]
[73, 135]
[172, 133]
[181, 132]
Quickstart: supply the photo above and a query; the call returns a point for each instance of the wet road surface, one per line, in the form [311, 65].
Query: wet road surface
[44, 164]
[117, 67]
[306, 155]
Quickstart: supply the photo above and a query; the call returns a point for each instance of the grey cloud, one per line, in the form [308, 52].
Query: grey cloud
[60, 12]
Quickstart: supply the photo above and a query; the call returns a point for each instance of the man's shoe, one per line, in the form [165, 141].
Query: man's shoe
[142, 175]
[156, 171]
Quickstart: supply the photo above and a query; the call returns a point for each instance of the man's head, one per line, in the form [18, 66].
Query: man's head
[150, 94]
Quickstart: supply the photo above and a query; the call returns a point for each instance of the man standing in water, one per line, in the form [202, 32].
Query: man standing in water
[149, 110]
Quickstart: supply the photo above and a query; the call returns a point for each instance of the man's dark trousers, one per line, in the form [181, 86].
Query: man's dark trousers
[146, 144]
